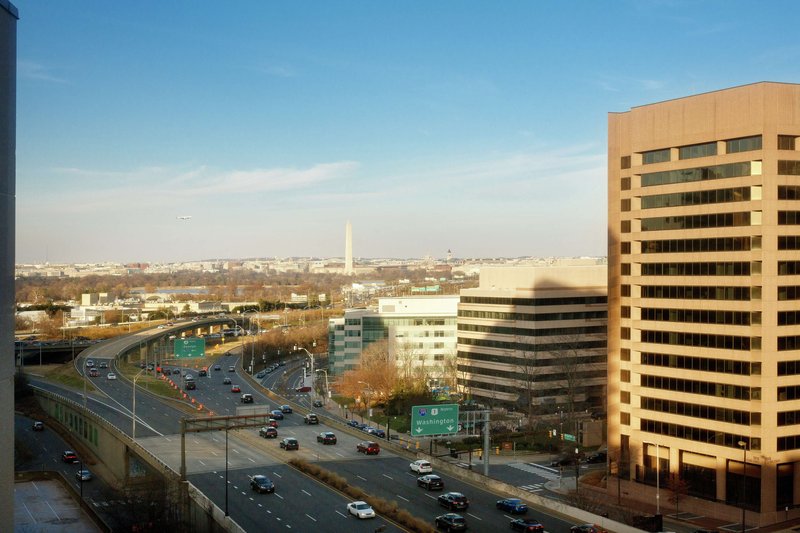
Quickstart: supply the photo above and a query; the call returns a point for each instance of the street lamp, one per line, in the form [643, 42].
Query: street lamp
[135, 379]
[309, 354]
[253, 342]
[658, 476]
[743, 445]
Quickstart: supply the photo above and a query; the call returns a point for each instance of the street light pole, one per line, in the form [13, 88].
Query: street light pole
[135, 378]
[743, 445]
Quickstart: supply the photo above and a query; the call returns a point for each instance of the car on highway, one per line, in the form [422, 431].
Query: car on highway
[587, 528]
[268, 432]
[276, 414]
[262, 484]
[226, 381]
[103, 364]
[421, 467]
[451, 522]
[261, 374]
[290, 443]
[217, 367]
[326, 437]
[176, 372]
[272, 423]
[246, 398]
[512, 505]
[353, 423]
[360, 510]
[111, 375]
[453, 501]
[368, 448]
[89, 363]
[528, 525]
[231, 368]
[236, 388]
[93, 373]
[317, 403]
[286, 409]
[70, 457]
[190, 384]
[38, 425]
[311, 418]
[83, 475]
[378, 432]
[203, 373]
[430, 482]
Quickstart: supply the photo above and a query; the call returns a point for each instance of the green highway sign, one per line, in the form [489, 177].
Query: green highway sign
[441, 419]
[569, 437]
[190, 347]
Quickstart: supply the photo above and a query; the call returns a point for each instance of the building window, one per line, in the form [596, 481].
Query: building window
[625, 396]
[717, 196]
[625, 269]
[788, 268]
[788, 218]
[786, 142]
[698, 316]
[625, 311]
[696, 269]
[625, 376]
[788, 293]
[625, 354]
[625, 290]
[625, 184]
[711, 220]
[743, 144]
[625, 333]
[625, 205]
[697, 150]
[788, 192]
[655, 156]
[723, 244]
[625, 226]
[696, 292]
[625, 248]
[688, 175]
[625, 418]
[625, 162]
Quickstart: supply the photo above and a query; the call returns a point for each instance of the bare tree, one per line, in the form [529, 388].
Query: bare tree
[528, 370]
[679, 488]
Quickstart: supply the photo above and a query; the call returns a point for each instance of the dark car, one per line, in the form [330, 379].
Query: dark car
[290, 443]
[203, 373]
[353, 423]
[512, 505]
[368, 448]
[262, 484]
[431, 482]
[276, 414]
[38, 425]
[246, 398]
[176, 372]
[378, 432]
[567, 460]
[69, 457]
[190, 385]
[286, 409]
[311, 418]
[597, 457]
[217, 367]
[453, 501]
[226, 381]
[451, 522]
[326, 437]
[261, 374]
[587, 528]
[83, 475]
[268, 432]
[317, 403]
[528, 525]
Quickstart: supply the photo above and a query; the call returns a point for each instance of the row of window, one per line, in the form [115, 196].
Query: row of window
[789, 168]
[702, 364]
[788, 318]
[734, 416]
[548, 347]
[789, 393]
[701, 316]
[789, 343]
[788, 368]
[791, 292]
[732, 268]
[699, 340]
[788, 218]
[708, 149]
[788, 192]
[788, 418]
[699, 435]
[542, 332]
[717, 196]
[721, 244]
[689, 292]
[689, 175]
[788, 268]
[706, 388]
[697, 150]
[534, 317]
[788, 242]
[792, 442]
[527, 360]
[708, 220]
[529, 375]
[540, 302]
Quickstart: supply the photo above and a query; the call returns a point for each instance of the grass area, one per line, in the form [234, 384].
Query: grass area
[64, 374]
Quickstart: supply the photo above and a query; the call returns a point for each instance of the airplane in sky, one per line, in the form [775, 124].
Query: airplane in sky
[184, 217]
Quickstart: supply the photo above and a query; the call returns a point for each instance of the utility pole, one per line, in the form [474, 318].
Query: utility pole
[486, 443]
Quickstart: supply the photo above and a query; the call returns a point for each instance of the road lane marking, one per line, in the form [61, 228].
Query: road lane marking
[339, 454]
[431, 497]
[278, 495]
[276, 474]
[234, 450]
[311, 517]
[304, 490]
[340, 514]
[476, 517]
[390, 477]
[362, 478]
[201, 462]
[406, 499]
[251, 460]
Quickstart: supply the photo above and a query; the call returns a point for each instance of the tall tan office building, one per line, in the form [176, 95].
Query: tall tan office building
[704, 298]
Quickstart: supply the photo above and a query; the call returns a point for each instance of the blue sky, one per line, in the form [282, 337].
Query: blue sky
[478, 127]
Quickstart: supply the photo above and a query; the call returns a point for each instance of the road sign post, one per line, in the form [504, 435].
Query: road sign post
[440, 419]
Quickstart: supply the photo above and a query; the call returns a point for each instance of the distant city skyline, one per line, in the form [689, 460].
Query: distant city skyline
[179, 131]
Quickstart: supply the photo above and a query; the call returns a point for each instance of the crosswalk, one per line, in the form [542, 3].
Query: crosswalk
[536, 487]
[540, 471]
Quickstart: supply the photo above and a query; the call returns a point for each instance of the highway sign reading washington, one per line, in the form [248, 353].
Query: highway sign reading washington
[439, 419]
[190, 347]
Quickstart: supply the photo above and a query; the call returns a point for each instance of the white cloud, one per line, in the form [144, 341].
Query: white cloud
[37, 71]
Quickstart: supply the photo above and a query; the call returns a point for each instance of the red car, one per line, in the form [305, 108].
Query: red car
[272, 423]
[235, 388]
[368, 448]
[69, 457]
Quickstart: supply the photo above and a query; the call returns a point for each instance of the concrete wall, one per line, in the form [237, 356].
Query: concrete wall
[8, 136]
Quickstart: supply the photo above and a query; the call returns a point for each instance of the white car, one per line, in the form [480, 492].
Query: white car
[360, 509]
[111, 375]
[422, 467]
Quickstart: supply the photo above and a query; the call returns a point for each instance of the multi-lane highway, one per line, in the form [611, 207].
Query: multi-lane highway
[299, 501]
